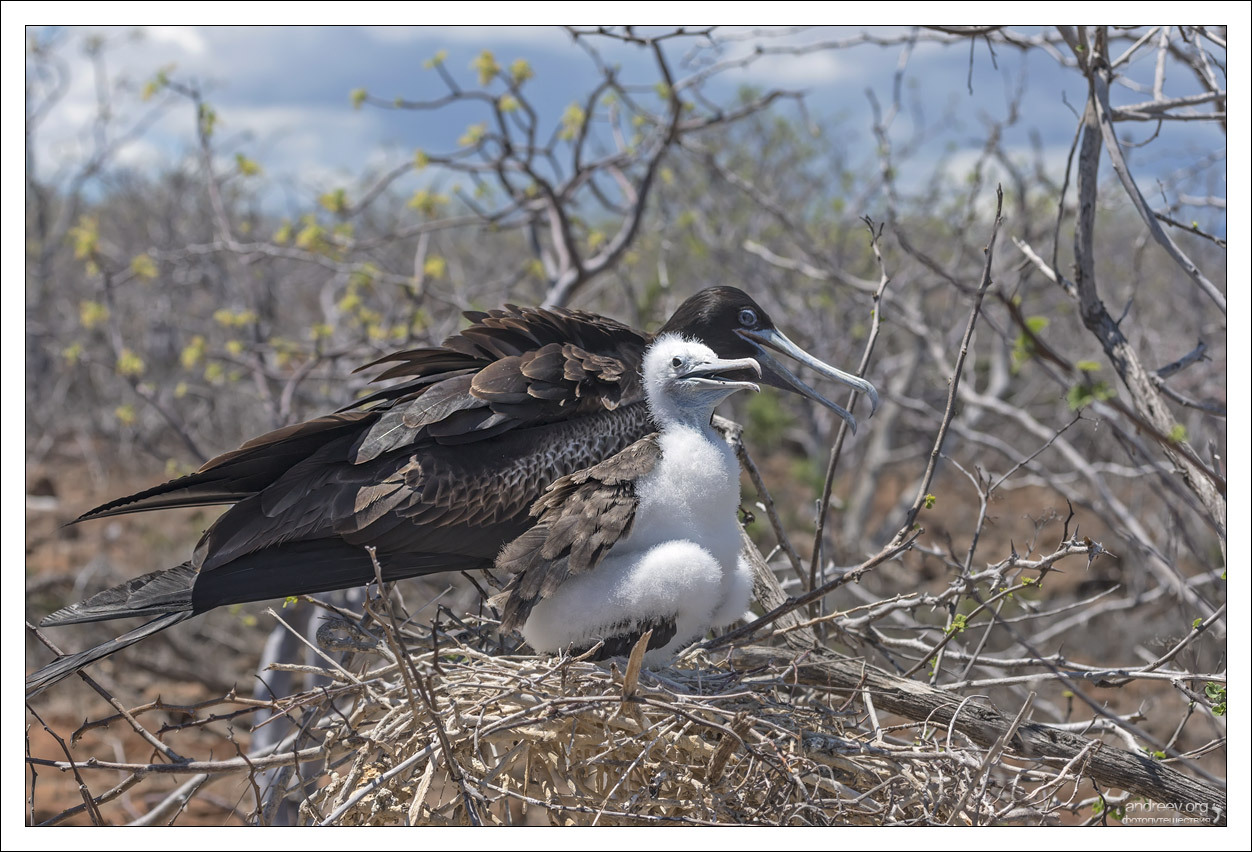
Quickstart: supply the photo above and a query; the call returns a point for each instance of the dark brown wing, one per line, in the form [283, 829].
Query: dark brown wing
[580, 518]
[455, 500]
[511, 369]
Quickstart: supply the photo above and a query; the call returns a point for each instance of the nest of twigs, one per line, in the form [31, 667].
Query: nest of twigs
[450, 733]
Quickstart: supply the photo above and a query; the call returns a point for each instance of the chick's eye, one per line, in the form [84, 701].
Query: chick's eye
[677, 362]
[747, 318]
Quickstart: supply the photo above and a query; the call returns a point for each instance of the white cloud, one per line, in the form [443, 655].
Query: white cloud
[474, 36]
[186, 38]
[804, 69]
[959, 164]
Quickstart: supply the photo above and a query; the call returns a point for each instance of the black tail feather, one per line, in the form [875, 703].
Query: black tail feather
[176, 594]
[240, 473]
[164, 591]
[63, 667]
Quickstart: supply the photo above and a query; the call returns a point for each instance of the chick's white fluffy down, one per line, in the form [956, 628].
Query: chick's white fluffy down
[676, 579]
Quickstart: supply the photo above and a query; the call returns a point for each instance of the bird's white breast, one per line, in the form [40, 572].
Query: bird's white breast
[680, 560]
[692, 494]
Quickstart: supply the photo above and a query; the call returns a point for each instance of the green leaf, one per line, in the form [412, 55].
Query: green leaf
[1178, 433]
[312, 237]
[1216, 693]
[364, 275]
[246, 167]
[1024, 345]
[125, 414]
[193, 352]
[521, 71]
[931, 499]
[92, 314]
[437, 59]
[472, 135]
[427, 202]
[336, 201]
[572, 120]
[420, 159]
[358, 97]
[435, 267]
[1088, 366]
[129, 364]
[486, 66]
[208, 119]
[508, 103]
[144, 267]
[1083, 395]
[85, 236]
[349, 302]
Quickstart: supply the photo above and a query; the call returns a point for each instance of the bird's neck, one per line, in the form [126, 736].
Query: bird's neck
[669, 416]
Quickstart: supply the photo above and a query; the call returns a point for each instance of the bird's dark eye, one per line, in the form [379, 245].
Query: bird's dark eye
[677, 362]
[747, 318]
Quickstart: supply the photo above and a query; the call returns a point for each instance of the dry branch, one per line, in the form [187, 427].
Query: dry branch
[1139, 773]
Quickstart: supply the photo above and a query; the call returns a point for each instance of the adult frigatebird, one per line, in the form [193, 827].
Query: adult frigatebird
[436, 473]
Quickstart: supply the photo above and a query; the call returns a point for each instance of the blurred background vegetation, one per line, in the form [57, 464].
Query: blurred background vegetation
[172, 313]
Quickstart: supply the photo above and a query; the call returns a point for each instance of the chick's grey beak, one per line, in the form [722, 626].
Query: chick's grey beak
[774, 373]
[728, 373]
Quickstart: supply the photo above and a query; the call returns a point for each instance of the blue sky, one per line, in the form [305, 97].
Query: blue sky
[282, 93]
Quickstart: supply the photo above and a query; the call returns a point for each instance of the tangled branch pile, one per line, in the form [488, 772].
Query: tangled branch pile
[463, 736]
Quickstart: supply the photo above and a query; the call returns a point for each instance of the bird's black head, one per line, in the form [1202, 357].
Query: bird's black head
[715, 315]
[730, 323]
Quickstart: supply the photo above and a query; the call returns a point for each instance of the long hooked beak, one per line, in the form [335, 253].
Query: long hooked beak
[774, 373]
[720, 372]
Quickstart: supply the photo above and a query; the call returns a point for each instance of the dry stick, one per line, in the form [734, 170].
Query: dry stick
[769, 592]
[105, 797]
[955, 381]
[823, 507]
[88, 801]
[734, 436]
[1196, 630]
[365, 789]
[1097, 127]
[408, 669]
[950, 634]
[1138, 773]
[993, 754]
[174, 802]
[886, 554]
[236, 764]
[1103, 113]
[1147, 424]
[982, 642]
[563, 287]
[117, 705]
[1130, 728]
